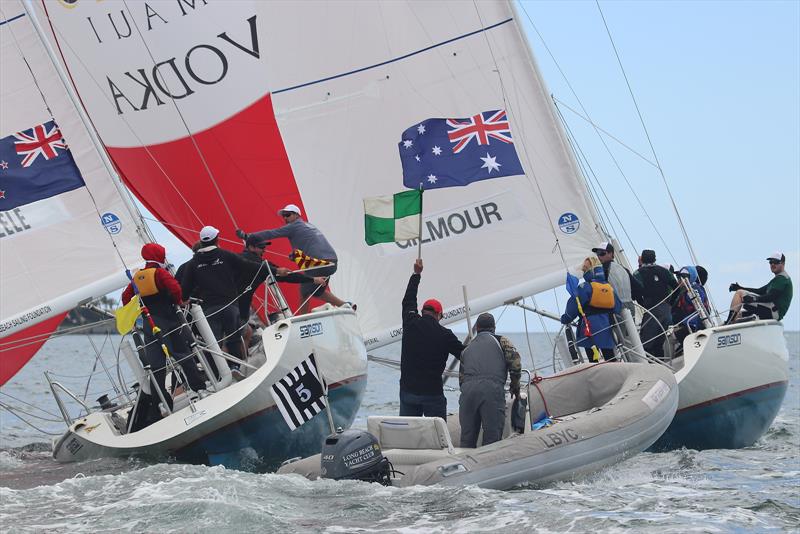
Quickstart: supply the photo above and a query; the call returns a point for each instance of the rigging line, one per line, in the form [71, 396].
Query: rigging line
[17, 399]
[522, 141]
[15, 414]
[649, 140]
[16, 344]
[606, 132]
[125, 121]
[226, 240]
[584, 160]
[183, 120]
[602, 139]
[586, 171]
[50, 113]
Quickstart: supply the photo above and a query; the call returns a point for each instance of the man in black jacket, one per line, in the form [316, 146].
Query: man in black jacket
[657, 293]
[423, 355]
[213, 275]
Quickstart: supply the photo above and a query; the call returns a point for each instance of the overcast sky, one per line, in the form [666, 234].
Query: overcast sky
[718, 86]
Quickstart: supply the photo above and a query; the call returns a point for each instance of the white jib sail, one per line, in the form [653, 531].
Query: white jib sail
[349, 78]
[65, 247]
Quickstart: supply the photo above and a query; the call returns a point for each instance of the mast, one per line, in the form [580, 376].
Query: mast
[141, 227]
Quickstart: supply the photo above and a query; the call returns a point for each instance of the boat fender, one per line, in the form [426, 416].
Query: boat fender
[354, 455]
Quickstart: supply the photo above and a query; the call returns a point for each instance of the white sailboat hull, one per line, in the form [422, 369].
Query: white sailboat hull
[732, 385]
[241, 423]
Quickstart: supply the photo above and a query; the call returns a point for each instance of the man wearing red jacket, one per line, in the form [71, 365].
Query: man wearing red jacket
[161, 292]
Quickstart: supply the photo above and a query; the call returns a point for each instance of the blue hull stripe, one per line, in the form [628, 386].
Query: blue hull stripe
[262, 441]
[730, 422]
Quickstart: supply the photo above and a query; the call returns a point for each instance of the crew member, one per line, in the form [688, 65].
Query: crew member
[625, 286]
[767, 302]
[256, 272]
[214, 273]
[161, 292]
[658, 287]
[423, 354]
[306, 237]
[598, 301]
[485, 364]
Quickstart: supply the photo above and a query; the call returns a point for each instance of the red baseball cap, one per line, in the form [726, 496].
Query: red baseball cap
[433, 305]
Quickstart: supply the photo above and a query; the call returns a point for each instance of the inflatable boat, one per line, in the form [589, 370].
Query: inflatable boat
[596, 415]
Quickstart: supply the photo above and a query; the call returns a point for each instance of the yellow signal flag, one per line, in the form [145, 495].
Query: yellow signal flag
[127, 315]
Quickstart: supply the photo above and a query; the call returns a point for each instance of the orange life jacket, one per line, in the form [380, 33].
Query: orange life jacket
[145, 280]
[602, 296]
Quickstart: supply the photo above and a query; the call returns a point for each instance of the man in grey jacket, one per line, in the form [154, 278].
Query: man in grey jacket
[485, 364]
[306, 237]
[625, 286]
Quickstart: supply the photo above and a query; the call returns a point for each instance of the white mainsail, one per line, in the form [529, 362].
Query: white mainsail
[168, 85]
[67, 247]
[341, 121]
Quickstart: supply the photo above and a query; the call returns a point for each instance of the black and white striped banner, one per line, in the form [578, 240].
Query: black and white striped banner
[300, 395]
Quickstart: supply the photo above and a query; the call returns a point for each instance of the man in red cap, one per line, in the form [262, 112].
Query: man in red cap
[161, 292]
[423, 355]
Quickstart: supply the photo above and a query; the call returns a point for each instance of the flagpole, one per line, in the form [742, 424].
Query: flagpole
[419, 248]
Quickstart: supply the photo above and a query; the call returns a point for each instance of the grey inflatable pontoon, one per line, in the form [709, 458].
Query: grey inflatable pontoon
[602, 413]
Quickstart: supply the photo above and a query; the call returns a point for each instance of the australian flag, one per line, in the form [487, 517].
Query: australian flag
[300, 395]
[449, 152]
[35, 164]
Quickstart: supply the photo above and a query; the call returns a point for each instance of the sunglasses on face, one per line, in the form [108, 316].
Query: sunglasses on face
[602, 253]
[774, 262]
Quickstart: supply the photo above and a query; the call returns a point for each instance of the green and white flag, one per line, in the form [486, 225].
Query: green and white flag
[393, 217]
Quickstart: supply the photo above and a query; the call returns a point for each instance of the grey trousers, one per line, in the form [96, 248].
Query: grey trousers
[482, 403]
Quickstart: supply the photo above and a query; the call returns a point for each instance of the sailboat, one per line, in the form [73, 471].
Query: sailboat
[226, 111]
[70, 235]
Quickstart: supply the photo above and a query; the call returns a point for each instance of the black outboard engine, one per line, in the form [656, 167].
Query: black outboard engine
[354, 455]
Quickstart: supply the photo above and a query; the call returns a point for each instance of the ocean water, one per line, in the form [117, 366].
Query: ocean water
[756, 489]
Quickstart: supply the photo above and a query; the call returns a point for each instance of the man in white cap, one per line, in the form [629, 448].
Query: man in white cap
[767, 302]
[306, 237]
[213, 275]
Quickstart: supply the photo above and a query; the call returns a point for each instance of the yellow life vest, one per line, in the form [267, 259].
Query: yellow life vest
[145, 280]
[602, 296]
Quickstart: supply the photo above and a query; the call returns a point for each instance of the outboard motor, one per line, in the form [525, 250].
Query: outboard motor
[354, 455]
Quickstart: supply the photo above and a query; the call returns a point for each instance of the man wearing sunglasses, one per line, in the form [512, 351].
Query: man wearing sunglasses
[767, 302]
[306, 237]
[626, 287]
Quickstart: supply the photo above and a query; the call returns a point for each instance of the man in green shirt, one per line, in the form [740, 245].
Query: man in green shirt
[768, 302]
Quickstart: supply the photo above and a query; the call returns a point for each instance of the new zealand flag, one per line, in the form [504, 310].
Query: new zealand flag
[35, 164]
[449, 152]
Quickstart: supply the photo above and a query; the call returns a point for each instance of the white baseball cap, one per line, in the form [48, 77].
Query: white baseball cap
[208, 233]
[290, 207]
[777, 256]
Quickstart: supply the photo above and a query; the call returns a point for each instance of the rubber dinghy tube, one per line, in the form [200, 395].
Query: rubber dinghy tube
[204, 328]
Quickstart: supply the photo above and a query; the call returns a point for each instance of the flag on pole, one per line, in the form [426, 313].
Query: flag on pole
[454, 152]
[300, 395]
[393, 217]
[127, 315]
